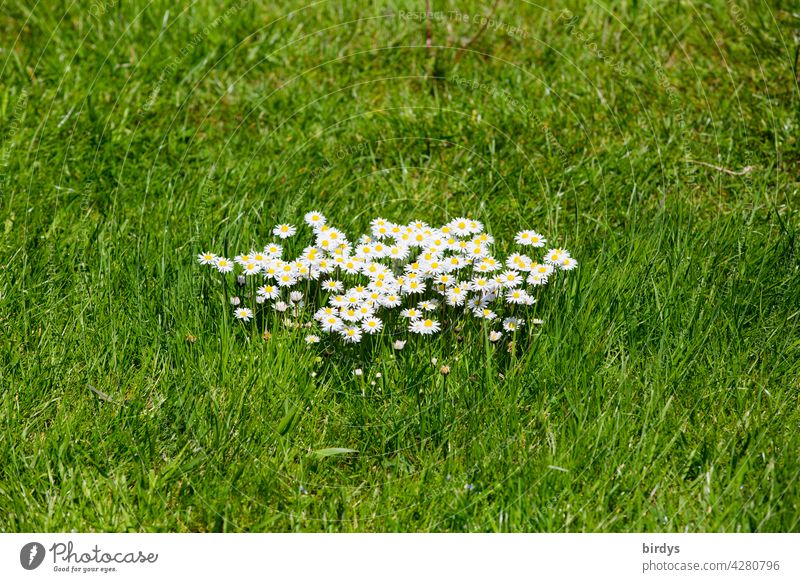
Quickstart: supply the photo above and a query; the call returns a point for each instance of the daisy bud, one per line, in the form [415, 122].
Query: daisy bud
[295, 296]
[240, 280]
[358, 372]
[260, 299]
[433, 361]
[495, 336]
[235, 301]
[399, 345]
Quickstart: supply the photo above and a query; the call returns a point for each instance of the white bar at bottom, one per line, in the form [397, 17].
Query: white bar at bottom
[417, 557]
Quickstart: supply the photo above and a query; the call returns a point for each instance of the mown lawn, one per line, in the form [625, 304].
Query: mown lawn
[658, 141]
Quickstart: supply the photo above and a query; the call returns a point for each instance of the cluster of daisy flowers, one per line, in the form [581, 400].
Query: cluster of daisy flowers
[416, 270]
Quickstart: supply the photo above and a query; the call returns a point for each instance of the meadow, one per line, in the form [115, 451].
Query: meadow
[657, 141]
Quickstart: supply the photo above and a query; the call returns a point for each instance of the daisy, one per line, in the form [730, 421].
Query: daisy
[536, 279]
[280, 306]
[351, 335]
[295, 296]
[444, 279]
[482, 285]
[284, 230]
[424, 326]
[286, 280]
[509, 279]
[350, 314]
[411, 313]
[543, 270]
[324, 312]
[399, 345]
[273, 250]
[485, 313]
[530, 238]
[459, 226]
[338, 300]
[223, 265]
[428, 305]
[412, 287]
[206, 258]
[331, 323]
[517, 297]
[568, 263]
[333, 285]
[398, 252]
[456, 295]
[312, 339]
[243, 314]
[372, 325]
[251, 268]
[242, 259]
[513, 323]
[268, 291]
[495, 336]
[390, 301]
[555, 256]
[314, 219]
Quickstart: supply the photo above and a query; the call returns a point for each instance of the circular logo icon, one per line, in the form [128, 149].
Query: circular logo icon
[31, 555]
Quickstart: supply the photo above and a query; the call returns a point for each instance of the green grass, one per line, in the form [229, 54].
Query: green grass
[660, 394]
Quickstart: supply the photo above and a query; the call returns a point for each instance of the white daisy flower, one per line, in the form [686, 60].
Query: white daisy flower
[372, 325]
[391, 300]
[509, 279]
[207, 258]
[223, 265]
[312, 339]
[530, 238]
[243, 259]
[333, 285]
[428, 305]
[399, 345]
[243, 314]
[286, 280]
[568, 263]
[295, 296]
[284, 231]
[268, 291]
[495, 336]
[411, 313]
[351, 335]
[273, 250]
[424, 326]
[456, 295]
[251, 268]
[331, 323]
[280, 306]
[517, 297]
[536, 279]
[555, 256]
[314, 219]
[513, 323]
[485, 313]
